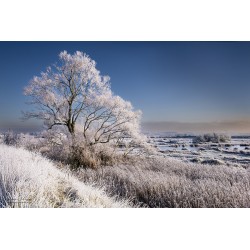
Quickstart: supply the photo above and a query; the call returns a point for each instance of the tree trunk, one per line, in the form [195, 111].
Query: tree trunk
[71, 127]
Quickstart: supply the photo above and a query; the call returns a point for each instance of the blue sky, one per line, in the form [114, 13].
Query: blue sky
[168, 81]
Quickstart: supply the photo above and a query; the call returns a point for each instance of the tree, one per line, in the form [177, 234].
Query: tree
[74, 95]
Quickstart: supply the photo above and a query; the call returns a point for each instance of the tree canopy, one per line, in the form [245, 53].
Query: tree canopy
[73, 94]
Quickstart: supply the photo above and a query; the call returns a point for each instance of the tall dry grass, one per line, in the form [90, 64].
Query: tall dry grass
[158, 182]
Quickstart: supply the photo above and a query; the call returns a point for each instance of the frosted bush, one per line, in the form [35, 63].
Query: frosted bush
[30, 142]
[11, 138]
[215, 138]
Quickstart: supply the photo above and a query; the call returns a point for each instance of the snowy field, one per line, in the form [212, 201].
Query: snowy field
[188, 176]
[236, 152]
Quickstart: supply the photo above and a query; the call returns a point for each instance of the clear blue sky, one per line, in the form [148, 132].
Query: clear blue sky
[168, 81]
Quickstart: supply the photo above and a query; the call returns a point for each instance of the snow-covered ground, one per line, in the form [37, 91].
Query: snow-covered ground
[236, 152]
[29, 180]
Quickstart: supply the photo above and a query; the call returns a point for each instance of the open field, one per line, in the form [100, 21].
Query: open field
[233, 153]
[180, 174]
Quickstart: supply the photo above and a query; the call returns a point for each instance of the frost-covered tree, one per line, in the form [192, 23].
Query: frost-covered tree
[73, 94]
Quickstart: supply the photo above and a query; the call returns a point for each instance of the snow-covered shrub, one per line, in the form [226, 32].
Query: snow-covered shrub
[215, 138]
[30, 142]
[84, 157]
[56, 145]
[11, 138]
[93, 156]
